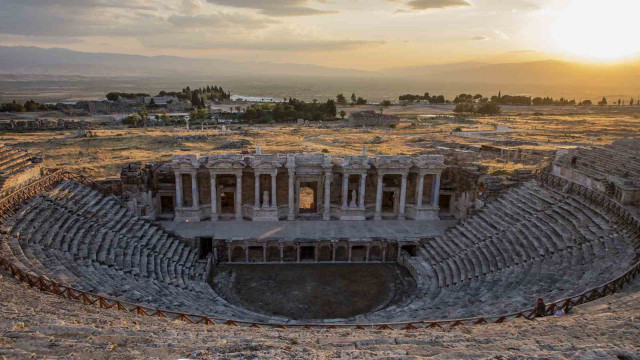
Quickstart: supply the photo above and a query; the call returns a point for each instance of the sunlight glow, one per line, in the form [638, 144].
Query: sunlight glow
[598, 30]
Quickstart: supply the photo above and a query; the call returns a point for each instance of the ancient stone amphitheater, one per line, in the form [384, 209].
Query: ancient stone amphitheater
[549, 236]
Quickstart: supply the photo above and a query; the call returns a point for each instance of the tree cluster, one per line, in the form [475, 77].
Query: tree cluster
[435, 99]
[467, 98]
[28, 106]
[480, 109]
[291, 110]
[114, 96]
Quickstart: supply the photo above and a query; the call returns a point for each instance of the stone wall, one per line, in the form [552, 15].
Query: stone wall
[370, 118]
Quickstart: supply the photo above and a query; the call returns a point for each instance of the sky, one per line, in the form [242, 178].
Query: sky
[360, 34]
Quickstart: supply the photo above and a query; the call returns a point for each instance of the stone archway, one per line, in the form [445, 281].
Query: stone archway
[307, 203]
[325, 253]
[358, 253]
[256, 254]
[273, 254]
[375, 253]
[290, 254]
[238, 254]
[341, 253]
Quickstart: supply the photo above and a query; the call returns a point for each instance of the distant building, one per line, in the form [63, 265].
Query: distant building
[256, 99]
[161, 100]
[370, 118]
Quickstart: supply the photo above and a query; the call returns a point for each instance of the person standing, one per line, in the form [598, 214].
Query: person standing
[541, 308]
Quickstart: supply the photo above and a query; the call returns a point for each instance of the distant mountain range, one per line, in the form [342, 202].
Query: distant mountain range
[57, 61]
[33, 60]
[546, 72]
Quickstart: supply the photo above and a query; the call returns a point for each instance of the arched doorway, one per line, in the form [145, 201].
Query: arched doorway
[307, 200]
[342, 254]
[238, 254]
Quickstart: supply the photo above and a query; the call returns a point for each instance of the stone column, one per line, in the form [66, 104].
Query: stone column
[345, 190]
[435, 192]
[264, 253]
[246, 253]
[281, 252]
[257, 189]
[327, 196]
[238, 198]
[363, 184]
[298, 252]
[367, 255]
[229, 251]
[378, 214]
[274, 190]
[179, 200]
[403, 197]
[194, 190]
[349, 258]
[214, 198]
[333, 253]
[420, 191]
[291, 215]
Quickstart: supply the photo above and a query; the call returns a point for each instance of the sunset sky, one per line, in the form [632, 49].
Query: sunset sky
[371, 34]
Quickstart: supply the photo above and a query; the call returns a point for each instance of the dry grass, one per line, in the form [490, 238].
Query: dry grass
[101, 156]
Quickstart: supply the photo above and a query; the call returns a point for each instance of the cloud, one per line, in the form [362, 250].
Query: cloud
[275, 7]
[270, 43]
[502, 35]
[192, 7]
[120, 4]
[480, 38]
[419, 5]
[183, 25]
[218, 20]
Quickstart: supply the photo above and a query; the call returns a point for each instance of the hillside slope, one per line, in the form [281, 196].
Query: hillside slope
[37, 325]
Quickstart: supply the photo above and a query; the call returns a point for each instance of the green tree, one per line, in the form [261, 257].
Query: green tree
[386, 103]
[603, 102]
[165, 118]
[195, 100]
[488, 109]
[353, 99]
[131, 120]
[463, 108]
[341, 100]
[343, 114]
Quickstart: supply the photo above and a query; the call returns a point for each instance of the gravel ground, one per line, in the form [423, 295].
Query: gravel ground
[42, 326]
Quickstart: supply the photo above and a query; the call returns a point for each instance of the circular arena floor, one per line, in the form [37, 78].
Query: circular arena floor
[312, 291]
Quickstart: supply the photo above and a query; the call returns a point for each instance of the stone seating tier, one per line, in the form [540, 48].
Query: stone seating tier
[534, 241]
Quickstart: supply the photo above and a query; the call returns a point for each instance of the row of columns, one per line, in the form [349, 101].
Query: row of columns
[360, 193]
[237, 199]
[316, 251]
[435, 194]
[274, 192]
[195, 197]
[214, 194]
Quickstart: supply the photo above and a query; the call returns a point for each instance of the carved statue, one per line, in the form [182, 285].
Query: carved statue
[265, 199]
[354, 198]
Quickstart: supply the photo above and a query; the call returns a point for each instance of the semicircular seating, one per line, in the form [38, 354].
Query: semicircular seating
[533, 241]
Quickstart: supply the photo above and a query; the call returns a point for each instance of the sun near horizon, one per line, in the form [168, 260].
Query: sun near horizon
[371, 35]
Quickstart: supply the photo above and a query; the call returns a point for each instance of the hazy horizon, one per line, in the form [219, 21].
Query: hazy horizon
[372, 35]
